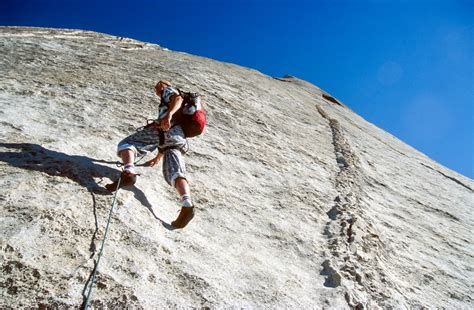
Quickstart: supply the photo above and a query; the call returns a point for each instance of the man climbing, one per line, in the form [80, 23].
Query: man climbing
[168, 136]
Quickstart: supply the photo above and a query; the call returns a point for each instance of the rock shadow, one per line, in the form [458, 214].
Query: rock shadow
[78, 168]
[140, 196]
[333, 278]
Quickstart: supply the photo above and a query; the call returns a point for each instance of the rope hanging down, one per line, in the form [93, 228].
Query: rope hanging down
[86, 304]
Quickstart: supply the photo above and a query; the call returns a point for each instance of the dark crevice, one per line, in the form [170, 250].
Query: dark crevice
[449, 177]
[342, 214]
[282, 79]
[430, 209]
[343, 261]
[331, 99]
[333, 278]
[333, 213]
[92, 247]
[350, 232]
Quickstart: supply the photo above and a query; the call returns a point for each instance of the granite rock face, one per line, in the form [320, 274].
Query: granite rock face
[300, 203]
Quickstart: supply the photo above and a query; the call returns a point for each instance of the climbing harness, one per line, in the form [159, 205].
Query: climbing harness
[86, 304]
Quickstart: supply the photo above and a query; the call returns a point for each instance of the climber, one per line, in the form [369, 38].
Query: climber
[168, 136]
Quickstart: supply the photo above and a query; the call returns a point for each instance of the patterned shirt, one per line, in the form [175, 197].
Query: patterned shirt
[167, 93]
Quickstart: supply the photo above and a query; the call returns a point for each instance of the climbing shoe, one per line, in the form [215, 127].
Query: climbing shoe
[184, 217]
[126, 179]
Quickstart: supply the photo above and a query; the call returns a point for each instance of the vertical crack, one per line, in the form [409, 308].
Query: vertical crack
[92, 247]
[346, 228]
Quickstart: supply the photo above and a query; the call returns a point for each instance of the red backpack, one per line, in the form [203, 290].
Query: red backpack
[191, 116]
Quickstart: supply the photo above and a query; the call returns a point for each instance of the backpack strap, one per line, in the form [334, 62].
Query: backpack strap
[183, 95]
[161, 135]
[187, 97]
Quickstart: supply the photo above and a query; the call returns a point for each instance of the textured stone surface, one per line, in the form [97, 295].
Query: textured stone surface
[300, 202]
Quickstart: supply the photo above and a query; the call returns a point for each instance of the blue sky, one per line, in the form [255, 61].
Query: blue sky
[406, 66]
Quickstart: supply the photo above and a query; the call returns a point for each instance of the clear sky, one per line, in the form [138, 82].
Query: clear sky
[406, 66]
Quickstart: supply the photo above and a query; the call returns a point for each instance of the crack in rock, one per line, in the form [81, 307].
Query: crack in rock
[449, 177]
[346, 229]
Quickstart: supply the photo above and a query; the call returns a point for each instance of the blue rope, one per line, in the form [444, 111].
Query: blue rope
[86, 304]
